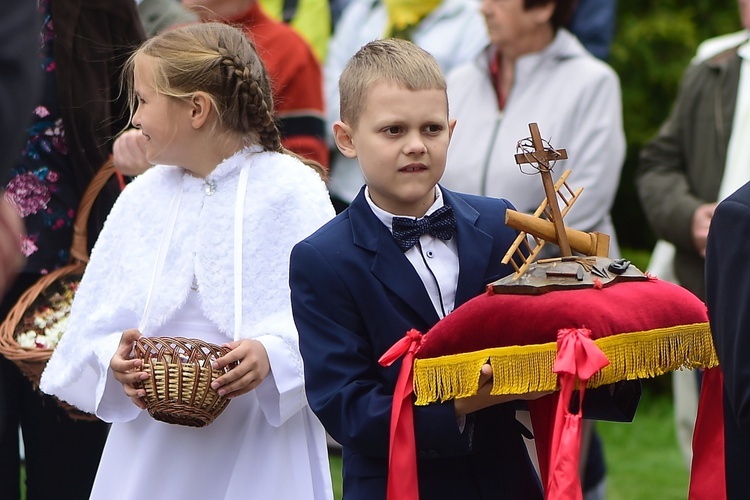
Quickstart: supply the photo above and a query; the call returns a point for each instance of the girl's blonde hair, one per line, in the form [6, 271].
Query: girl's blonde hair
[391, 60]
[221, 61]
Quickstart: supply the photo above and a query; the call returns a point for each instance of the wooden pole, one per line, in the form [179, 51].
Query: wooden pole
[549, 191]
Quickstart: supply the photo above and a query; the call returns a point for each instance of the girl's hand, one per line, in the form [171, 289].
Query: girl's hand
[483, 398]
[253, 368]
[127, 370]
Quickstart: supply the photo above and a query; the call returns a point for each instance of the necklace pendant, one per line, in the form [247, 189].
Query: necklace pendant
[210, 187]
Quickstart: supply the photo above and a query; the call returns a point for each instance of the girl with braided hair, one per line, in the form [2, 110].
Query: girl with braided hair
[198, 247]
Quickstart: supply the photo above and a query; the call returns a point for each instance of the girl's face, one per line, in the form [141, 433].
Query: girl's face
[164, 121]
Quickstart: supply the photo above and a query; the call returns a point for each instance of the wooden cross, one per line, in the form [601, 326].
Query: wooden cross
[542, 157]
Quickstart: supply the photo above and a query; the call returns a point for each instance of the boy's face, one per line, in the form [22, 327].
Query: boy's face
[401, 141]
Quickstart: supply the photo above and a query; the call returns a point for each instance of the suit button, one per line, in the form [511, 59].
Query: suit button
[429, 254]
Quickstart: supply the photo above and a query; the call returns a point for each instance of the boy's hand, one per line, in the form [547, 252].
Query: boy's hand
[484, 399]
[253, 368]
[127, 370]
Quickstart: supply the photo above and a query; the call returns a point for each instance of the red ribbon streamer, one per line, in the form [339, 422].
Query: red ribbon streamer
[578, 357]
[708, 471]
[402, 454]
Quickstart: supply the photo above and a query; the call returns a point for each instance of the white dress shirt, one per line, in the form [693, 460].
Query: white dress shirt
[435, 260]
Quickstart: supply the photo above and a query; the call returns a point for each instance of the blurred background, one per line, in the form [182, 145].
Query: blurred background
[653, 45]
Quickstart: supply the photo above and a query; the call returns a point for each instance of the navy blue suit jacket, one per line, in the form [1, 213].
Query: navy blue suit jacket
[354, 294]
[728, 301]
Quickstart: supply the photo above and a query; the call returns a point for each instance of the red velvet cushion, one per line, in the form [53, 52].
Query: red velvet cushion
[644, 328]
[504, 320]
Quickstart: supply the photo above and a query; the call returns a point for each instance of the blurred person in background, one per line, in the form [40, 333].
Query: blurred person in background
[310, 18]
[697, 158]
[593, 23]
[19, 84]
[158, 15]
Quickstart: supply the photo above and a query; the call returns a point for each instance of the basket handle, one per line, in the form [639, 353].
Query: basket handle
[78, 249]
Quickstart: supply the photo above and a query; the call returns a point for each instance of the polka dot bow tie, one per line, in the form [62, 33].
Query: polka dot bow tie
[440, 224]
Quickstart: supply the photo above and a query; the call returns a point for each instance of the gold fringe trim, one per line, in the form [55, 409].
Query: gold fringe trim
[522, 369]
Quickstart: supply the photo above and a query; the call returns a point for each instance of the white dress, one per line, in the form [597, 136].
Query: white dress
[145, 458]
[267, 444]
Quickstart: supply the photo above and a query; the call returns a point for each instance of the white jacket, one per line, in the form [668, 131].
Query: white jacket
[573, 97]
[285, 202]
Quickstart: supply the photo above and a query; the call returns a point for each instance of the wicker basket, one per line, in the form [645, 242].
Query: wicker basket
[178, 390]
[48, 292]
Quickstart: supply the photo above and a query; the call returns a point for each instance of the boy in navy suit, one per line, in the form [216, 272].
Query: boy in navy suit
[367, 277]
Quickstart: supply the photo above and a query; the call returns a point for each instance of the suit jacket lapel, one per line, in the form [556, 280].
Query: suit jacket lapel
[389, 265]
[474, 249]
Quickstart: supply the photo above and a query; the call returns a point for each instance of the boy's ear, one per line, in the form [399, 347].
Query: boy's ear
[200, 109]
[342, 133]
[451, 127]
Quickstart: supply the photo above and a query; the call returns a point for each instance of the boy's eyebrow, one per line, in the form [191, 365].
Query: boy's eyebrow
[391, 119]
[398, 120]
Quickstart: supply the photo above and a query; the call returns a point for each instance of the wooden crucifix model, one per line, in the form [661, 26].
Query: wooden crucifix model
[546, 224]
[544, 158]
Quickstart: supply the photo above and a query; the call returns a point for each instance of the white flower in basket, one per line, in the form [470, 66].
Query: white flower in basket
[47, 323]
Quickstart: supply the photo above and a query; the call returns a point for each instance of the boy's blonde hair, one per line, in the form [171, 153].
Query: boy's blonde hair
[389, 60]
[221, 61]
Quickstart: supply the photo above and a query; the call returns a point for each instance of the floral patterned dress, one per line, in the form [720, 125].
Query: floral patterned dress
[41, 186]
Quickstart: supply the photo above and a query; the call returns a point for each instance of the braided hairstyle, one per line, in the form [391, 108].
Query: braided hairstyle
[221, 61]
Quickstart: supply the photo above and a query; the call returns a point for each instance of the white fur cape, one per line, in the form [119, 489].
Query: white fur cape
[285, 202]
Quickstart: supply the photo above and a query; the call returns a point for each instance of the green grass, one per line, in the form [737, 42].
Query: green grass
[336, 475]
[639, 258]
[643, 459]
